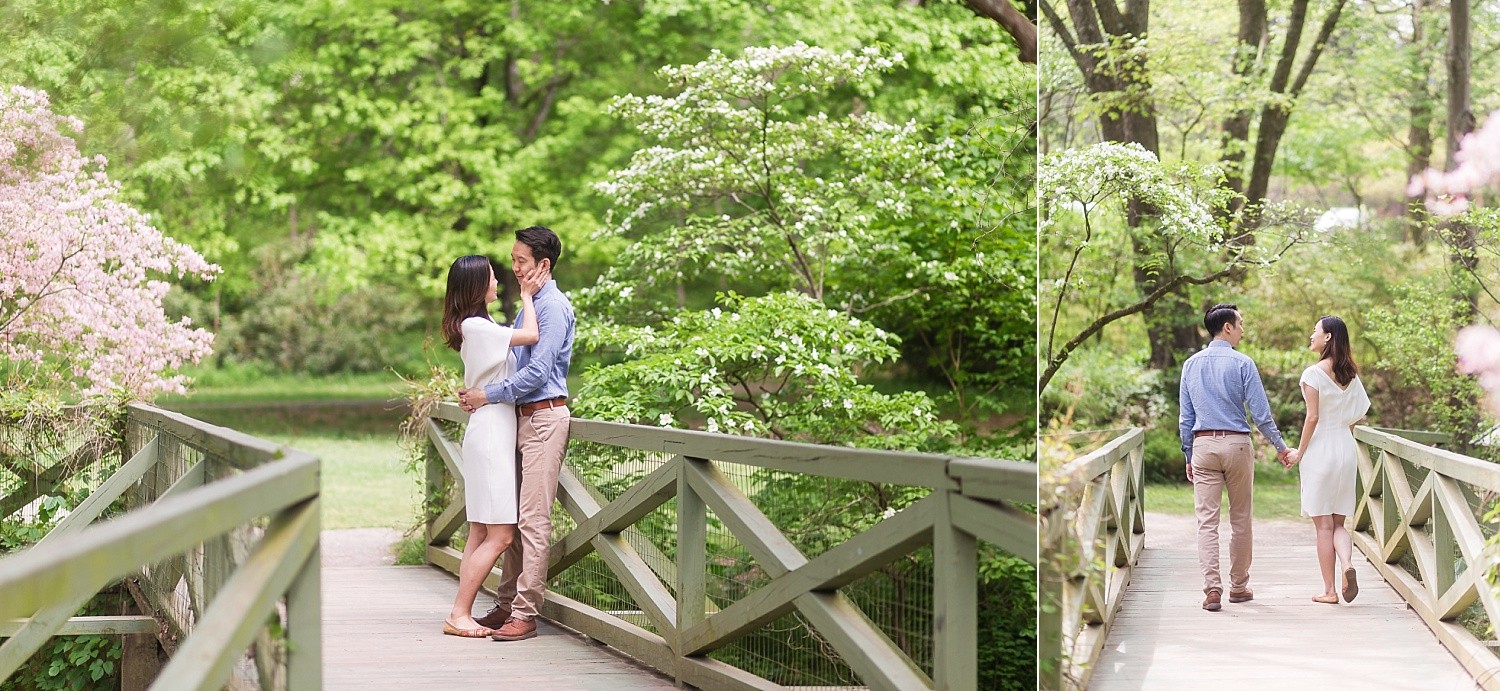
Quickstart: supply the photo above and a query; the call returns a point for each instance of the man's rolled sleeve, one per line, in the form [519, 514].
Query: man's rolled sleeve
[1186, 417]
[528, 379]
[1260, 408]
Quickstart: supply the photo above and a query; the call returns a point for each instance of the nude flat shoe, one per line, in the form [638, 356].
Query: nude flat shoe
[1326, 599]
[450, 630]
[1351, 586]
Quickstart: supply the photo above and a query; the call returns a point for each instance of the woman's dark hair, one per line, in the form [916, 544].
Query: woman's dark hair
[543, 242]
[1344, 368]
[468, 285]
[1217, 316]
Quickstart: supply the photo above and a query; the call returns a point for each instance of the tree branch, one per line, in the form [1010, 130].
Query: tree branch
[1016, 24]
[1324, 32]
[1145, 304]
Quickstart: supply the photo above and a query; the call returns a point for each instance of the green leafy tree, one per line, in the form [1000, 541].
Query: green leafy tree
[747, 179]
[1414, 336]
[780, 365]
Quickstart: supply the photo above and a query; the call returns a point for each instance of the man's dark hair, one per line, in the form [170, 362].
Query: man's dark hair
[1217, 316]
[543, 242]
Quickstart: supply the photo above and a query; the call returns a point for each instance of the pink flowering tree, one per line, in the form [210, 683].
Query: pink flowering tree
[1450, 193]
[82, 273]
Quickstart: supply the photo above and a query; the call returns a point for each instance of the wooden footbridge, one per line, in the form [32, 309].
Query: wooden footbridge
[680, 559]
[1121, 613]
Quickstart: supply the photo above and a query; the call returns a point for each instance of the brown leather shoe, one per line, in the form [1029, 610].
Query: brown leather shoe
[1210, 603]
[515, 630]
[1245, 595]
[495, 619]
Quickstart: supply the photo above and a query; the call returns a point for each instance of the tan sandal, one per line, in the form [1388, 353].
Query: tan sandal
[450, 630]
[1326, 599]
[1351, 586]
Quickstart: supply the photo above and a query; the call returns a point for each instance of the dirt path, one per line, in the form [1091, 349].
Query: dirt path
[359, 547]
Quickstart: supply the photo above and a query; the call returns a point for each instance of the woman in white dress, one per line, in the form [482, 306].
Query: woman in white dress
[1336, 401]
[489, 445]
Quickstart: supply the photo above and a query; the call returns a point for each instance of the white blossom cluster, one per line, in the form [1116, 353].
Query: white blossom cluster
[1088, 177]
[780, 364]
[737, 184]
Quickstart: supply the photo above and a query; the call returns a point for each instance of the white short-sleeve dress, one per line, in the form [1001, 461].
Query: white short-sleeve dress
[1329, 463]
[491, 491]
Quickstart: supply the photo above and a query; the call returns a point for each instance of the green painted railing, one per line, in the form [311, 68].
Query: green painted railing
[1093, 524]
[661, 552]
[220, 537]
[1424, 506]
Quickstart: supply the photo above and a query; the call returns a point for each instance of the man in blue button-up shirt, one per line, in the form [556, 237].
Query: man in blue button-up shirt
[539, 391]
[1218, 384]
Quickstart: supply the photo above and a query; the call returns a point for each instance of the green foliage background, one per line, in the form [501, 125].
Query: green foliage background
[334, 157]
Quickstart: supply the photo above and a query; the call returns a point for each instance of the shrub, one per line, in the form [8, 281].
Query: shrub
[1101, 389]
[295, 324]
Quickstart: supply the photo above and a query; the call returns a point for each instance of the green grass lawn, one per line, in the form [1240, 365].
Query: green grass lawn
[364, 485]
[231, 386]
[1275, 496]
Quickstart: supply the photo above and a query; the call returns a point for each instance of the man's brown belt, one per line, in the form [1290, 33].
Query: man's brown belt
[528, 408]
[1217, 433]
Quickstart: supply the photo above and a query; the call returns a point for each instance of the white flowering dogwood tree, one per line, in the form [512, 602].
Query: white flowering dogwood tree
[1084, 235]
[748, 181]
[780, 365]
[82, 273]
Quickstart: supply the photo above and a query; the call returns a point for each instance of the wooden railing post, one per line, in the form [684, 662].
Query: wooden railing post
[220, 483]
[432, 489]
[1092, 515]
[692, 555]
[1435, 524]
[955, 620]
[304, 619]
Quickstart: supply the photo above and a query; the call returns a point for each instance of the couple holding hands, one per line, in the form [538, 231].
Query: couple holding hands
[1218, 384]
[515, 389]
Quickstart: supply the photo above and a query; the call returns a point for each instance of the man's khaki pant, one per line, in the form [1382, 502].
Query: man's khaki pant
[541, 440]
[1219, 464]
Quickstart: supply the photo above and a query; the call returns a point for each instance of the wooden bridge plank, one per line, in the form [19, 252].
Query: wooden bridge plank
[1162, 638]
[89, 626]
[382, 628]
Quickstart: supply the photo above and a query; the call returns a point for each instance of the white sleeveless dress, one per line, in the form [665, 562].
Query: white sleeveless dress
[491, 492]
[1329, 463]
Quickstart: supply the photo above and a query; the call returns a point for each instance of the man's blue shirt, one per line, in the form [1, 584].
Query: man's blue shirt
[541, 369]
[1218, 383]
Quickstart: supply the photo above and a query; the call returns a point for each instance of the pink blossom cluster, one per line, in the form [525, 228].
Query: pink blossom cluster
[81, 271]
[1478, 159]
[1478, 349]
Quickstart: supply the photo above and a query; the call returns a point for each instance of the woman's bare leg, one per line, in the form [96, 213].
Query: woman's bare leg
[485, 544]
[1341, 542]
[1326, 554]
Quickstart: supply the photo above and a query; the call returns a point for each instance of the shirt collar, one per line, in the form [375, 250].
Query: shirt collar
[1219, 342]
[550, 287]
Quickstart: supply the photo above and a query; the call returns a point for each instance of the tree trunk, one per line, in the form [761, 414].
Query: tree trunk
[1419, 130]
[1133, 120]
[1236, 139]
[1460, 123]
